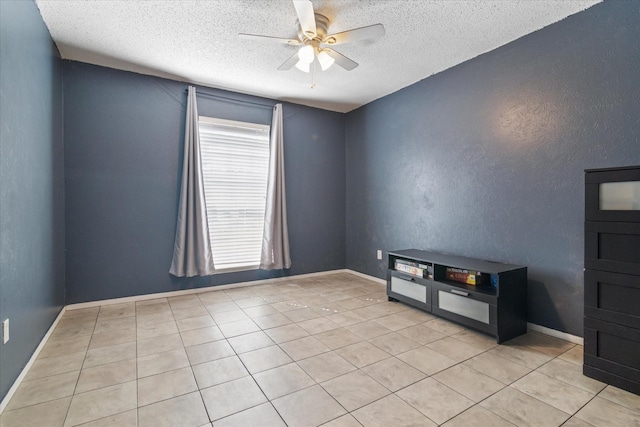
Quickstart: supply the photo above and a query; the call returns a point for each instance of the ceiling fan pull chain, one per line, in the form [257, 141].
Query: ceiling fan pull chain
[313, 74]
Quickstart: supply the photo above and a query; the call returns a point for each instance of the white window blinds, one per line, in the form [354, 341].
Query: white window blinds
[235, 163]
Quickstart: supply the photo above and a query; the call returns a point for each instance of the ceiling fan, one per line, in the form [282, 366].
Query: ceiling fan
[316, 43]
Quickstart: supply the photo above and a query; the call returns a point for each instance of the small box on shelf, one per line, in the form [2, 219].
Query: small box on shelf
[468, 277]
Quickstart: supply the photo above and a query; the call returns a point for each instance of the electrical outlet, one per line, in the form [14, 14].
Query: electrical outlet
[5, 331]
[379, 254]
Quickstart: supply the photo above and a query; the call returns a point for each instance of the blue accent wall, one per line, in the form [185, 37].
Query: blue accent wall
[31, 184]
[123, 160]
[486, 159]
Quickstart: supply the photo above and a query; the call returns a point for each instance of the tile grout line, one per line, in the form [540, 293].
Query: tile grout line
[332, 350]
[278, 345]
[81, 366]
[237, 355]
[533, 397]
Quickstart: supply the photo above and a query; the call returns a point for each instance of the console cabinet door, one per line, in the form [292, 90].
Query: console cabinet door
[410, 290]
[473, 309]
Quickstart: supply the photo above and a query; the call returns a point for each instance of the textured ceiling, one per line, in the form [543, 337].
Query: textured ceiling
[197, 41]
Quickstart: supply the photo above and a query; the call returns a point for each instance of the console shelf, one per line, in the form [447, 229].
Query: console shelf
[494, 300]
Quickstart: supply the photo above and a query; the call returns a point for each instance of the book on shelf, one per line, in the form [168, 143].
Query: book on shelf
[412, 263]
[465, 276]
[414, 271]
[423, 271]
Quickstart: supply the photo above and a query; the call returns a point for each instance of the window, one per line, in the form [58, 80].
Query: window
[235, 164]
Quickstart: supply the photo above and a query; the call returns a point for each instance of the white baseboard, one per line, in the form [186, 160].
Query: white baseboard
[34, 356]
[366, 276]
[556, 334]
[135, 298]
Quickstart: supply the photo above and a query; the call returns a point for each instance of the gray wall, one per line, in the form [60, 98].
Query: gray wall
[123, 159]
[31, 184]
[486, 159]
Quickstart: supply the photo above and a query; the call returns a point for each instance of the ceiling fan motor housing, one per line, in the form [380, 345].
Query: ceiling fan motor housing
[322, 24]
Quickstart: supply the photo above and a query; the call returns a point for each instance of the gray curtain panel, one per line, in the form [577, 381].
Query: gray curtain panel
[275, 240]
[192, 254]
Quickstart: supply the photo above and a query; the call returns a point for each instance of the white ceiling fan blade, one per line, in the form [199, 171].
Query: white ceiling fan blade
[341, 60]
[286, 65]
[282, 40]
[362, 33]
[306, 17]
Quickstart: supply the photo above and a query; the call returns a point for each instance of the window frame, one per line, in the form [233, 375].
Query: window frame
[258, 128]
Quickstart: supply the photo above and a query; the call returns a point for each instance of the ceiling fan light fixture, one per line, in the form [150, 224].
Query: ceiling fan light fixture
[303, 66]
[325, 60]
[312, 29]
[306, 54]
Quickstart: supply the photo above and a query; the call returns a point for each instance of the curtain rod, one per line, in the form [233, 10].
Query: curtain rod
[233, 100]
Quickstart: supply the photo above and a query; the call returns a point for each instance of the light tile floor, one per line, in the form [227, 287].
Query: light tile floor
[329, 351]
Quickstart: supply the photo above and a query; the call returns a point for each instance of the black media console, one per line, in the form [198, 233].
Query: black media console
[487, 296]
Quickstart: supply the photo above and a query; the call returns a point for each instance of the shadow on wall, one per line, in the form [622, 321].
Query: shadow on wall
[542, 303]
[91, 57]
[197, 282]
